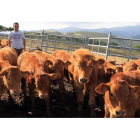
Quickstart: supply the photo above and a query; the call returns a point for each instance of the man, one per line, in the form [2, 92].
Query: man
[17, 37]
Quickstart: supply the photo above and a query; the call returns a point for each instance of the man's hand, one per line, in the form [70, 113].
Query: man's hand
[24, 43]
[9, 43]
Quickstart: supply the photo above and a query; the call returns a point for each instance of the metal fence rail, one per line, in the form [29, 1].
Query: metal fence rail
[66, 40]
[48, 42]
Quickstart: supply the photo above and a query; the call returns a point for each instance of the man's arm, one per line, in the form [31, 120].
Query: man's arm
[9, 42]
[24, 43]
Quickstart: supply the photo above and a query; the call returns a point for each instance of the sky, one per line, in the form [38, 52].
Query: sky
[59, 25]
[90, 14]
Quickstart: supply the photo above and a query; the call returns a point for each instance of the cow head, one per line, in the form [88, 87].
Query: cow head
[58, 66]
[110, 67]
[42, 81]
[117, 95]
[84, 65]
[130, 66]
[12, 77]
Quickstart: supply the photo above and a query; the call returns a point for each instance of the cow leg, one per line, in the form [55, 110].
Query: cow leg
[23, 85]
[10, 98]
[61, 90]
[92, 102]
[32, 96]
[107, 114]
[80, 100]
[0, 102]
[46, 97]
[111, 115]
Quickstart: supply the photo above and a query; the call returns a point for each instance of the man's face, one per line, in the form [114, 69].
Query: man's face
[16, 27]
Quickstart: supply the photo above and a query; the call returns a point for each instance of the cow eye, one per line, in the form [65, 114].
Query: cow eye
[111, 94]
[91, 66]
[78, 66]
[8, 79]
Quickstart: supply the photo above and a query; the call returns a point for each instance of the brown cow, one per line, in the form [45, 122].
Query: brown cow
[130, 66]
[121, 99]
[106, 70]
[132, 77]
[4, 43]
[138, 63]
[10, 73]
[57, 67]
[65, 57]
[85, 77]
[39, 79]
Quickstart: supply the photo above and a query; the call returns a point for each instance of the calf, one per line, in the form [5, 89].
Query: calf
[85, 77]
[130, 66]
[10, 74]
[57, 66]
[66, 58]
[123, 94]
[106, 70]
[4, 42]
[38, 79]
[121, 99]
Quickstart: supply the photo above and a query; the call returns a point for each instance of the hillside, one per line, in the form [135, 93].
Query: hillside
[84, 33]
[3, 28]
[125, 31]
[136, 37]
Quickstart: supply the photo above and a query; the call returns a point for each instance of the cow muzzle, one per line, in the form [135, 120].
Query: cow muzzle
[120, 113]
[83, 80]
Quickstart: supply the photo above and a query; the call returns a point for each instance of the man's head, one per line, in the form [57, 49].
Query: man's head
[16, 26]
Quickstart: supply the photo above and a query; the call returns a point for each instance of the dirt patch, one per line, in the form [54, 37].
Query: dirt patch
[19, 107]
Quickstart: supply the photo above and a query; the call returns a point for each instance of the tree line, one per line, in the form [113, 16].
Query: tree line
[2, 28]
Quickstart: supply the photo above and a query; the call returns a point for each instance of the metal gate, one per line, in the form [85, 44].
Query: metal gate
[101, 45]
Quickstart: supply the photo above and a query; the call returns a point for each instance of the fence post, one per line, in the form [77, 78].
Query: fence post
[88, 41]
[93, 45]
[99, 45]
[129, 51]
[69, 44]
[85, 41]
[30, 41]
[55, 43]
[108, 43]
[37, 41]
[46, 48]
[42, 39]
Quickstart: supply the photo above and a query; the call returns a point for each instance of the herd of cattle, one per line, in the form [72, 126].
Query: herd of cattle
[117, 87]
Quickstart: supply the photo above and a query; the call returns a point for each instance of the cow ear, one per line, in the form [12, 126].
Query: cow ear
[54, 54]
[25, 74]
[109, 70]
[3, 72]
[52, 76]
[66, 64]
[48, 62]
[113, 61]
[134, 89]
[101, 61]
[119, 69]
[123, 64]
[102, 88]
[75, 57]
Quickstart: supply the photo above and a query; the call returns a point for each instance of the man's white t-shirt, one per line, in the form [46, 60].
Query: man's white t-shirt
[16, 39]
